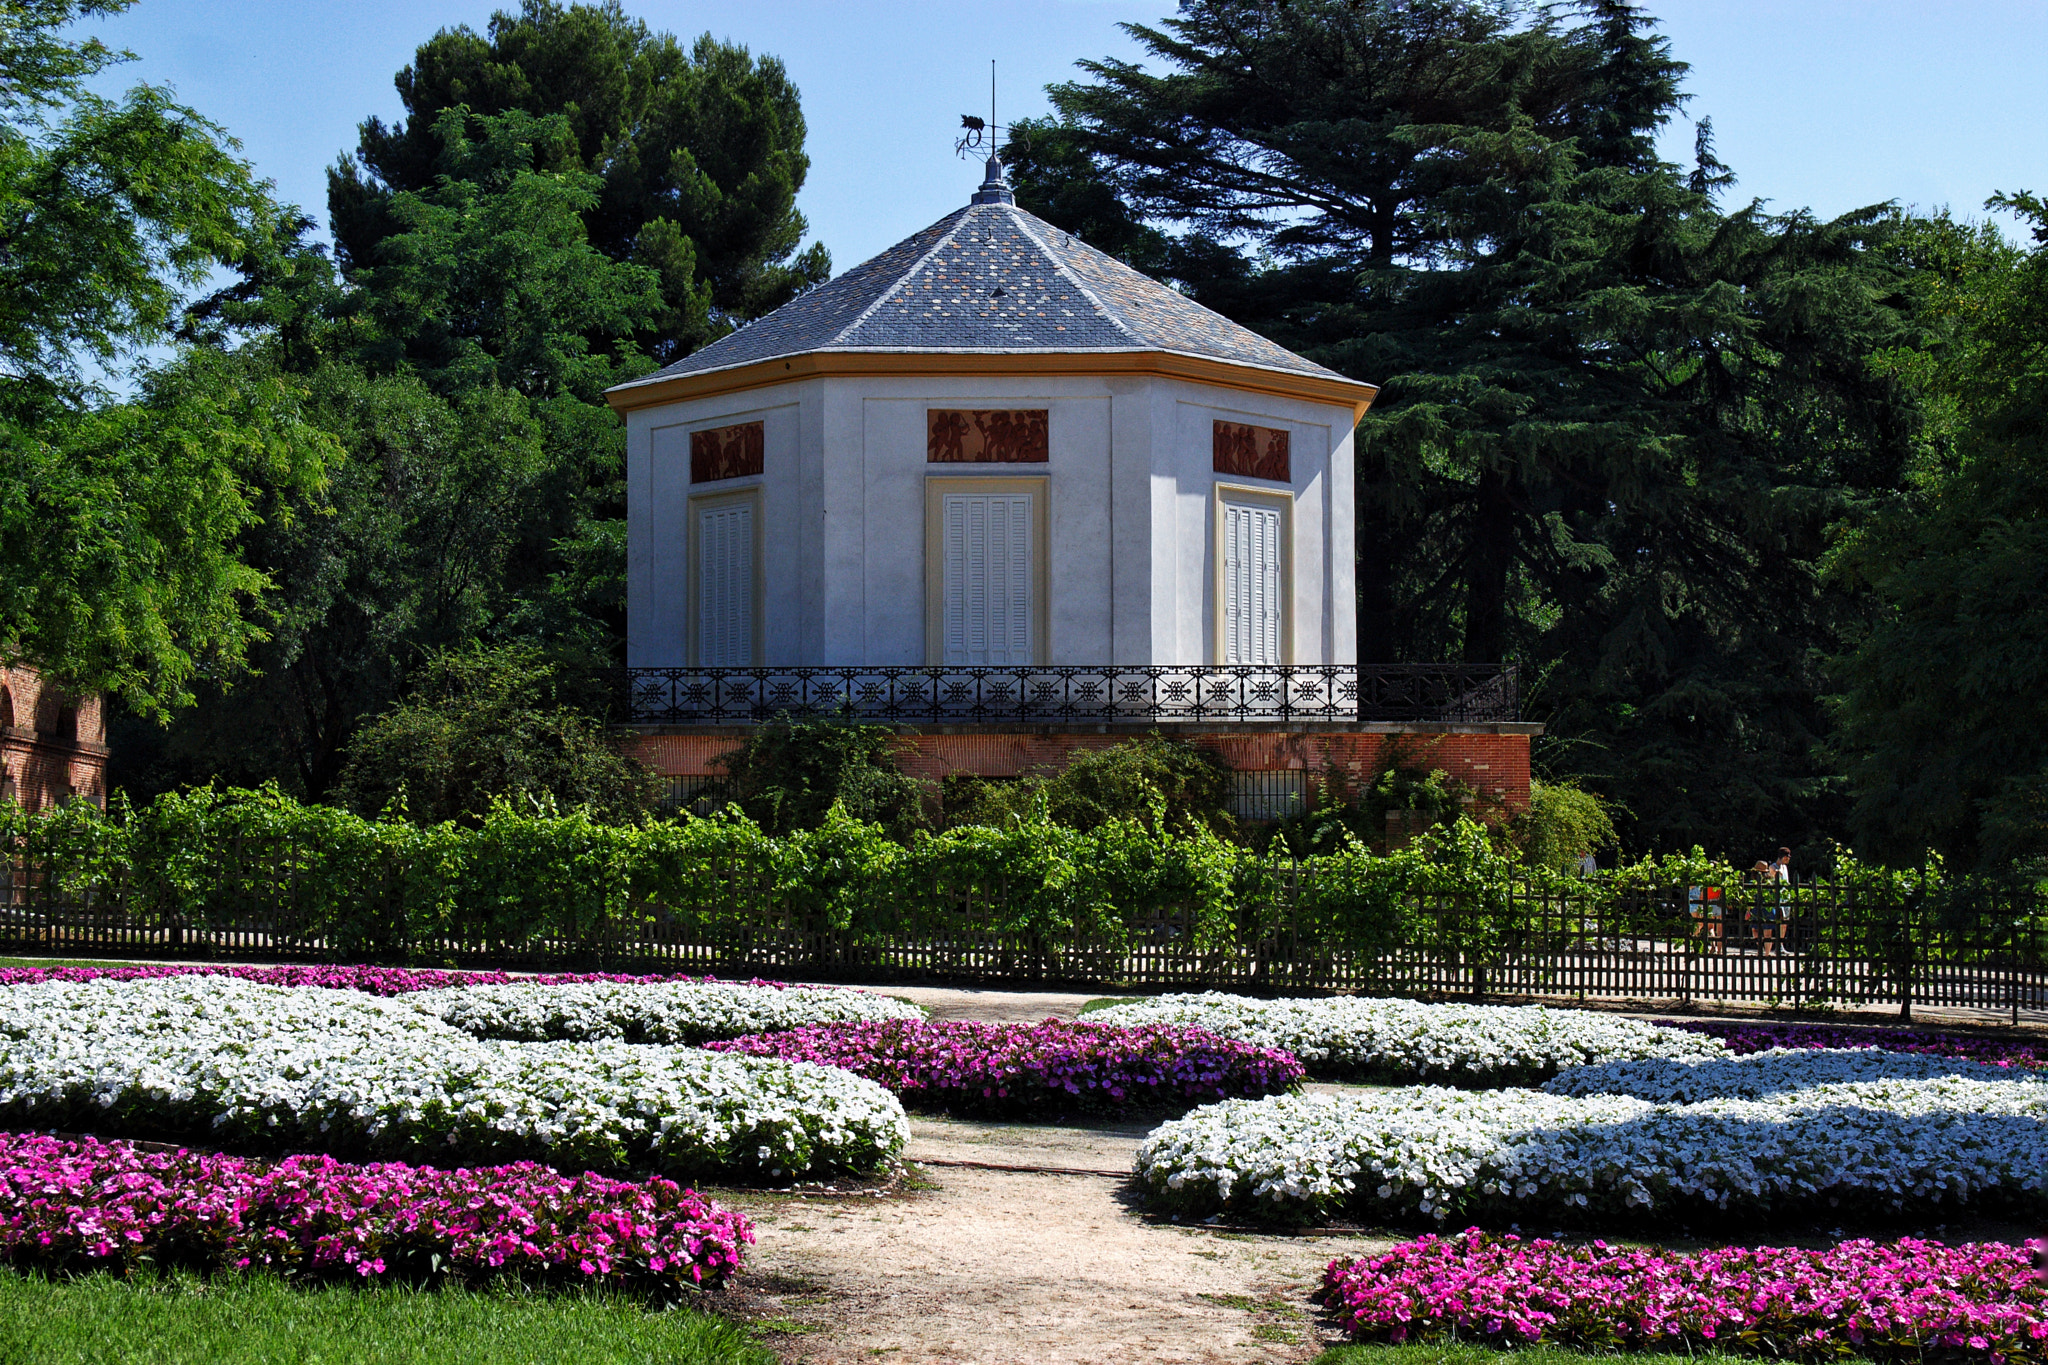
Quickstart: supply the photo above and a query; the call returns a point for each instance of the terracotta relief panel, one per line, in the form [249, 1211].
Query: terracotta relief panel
[992, 436]
[726, 452]
[1252, 452]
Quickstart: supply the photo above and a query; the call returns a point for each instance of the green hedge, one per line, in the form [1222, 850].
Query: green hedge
[532, 880]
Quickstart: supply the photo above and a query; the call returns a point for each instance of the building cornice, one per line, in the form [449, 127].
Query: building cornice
[1316, 388]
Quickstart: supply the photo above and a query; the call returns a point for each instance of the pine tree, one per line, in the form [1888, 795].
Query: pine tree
[697, 155]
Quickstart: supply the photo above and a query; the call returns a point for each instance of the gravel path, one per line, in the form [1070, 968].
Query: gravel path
[1022, 1243]
[1046, 1265]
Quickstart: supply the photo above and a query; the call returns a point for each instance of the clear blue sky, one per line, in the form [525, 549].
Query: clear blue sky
[1827, 104]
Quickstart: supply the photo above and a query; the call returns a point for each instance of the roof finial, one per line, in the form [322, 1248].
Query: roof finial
[995, 186]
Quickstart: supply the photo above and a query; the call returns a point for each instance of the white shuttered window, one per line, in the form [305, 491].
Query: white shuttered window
[1253, 586]
[725, 585]
[987, 580]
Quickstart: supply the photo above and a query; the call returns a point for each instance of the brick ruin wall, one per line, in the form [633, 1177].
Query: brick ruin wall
[52, 745]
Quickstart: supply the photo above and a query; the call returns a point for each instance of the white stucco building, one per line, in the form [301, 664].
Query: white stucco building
[991, 445]
[1003, 493]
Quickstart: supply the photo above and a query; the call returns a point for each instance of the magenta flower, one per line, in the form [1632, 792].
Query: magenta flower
[1022, 1068]
[86, 1203]
[373, 980]
[1900, 1300]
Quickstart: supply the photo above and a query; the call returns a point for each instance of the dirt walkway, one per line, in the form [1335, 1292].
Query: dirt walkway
[1019, 1243]
[1048, 1265]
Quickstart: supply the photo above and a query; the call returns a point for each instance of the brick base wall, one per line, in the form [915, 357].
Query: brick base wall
[1492, 759]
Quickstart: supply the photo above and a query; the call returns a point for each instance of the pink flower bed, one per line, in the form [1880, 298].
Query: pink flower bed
[373, 980]
[83, 1204]
[1908, 1299]
[1007, 1068]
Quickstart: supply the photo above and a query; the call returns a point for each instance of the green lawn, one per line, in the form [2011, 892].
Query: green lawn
[99, 1320]
[1106, 1001]
[58, 962]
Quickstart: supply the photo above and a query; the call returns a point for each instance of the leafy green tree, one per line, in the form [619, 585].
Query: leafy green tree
[568, 200]
[1564, 823]
[489, 278]
[697, 156]
[120, 568]
[484, 724]
[1944, 702]
[1615, 421]
[122, 564]
[441, 526]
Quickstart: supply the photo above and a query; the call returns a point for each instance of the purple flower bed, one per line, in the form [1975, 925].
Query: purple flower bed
[1908, 1299]
[76, 1204]
[1012, 1068]
[1743, 1037]
[373, 980]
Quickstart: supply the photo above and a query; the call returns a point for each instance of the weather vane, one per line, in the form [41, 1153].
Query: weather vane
[981, 137]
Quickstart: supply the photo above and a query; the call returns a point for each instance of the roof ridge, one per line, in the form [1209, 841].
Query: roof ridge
[903, 278]
[1019, 216]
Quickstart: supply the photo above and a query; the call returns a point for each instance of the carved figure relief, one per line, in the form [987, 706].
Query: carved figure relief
[985, 436]
[1251, 452]
[726, 452]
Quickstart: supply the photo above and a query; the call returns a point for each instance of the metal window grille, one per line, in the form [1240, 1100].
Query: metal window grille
[684, 794]
[1268, 796]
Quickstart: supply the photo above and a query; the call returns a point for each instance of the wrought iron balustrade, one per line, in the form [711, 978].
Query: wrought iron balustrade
[1139, 694]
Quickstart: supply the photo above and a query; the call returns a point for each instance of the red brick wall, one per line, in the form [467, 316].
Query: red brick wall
[1495, 765]
[38, 764]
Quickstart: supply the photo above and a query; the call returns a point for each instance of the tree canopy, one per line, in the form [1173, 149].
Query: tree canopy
[693, 156]
[1944, 700]
[569, 200]
[120, 568]
[1615, 417]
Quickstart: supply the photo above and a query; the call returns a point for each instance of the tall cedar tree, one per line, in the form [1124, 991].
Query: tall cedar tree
[698, 156]
[1614, 421]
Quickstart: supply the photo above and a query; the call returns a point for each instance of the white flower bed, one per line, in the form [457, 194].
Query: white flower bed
[1762, 1074]
[1405, 1040]
[1869, 1146]
[351, 1074]
[672, 1012]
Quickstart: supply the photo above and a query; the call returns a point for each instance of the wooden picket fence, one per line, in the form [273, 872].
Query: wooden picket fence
[1983, 948]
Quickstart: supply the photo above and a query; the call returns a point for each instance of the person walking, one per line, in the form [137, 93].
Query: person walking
[1765, 907]
[1705, 904]
[1782, 873]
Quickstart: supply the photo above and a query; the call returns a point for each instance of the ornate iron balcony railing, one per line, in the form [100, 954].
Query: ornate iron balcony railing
[1139, 694]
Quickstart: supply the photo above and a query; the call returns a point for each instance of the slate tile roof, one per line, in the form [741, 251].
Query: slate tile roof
[991, 278]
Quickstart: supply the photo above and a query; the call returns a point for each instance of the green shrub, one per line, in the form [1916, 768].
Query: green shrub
[789, 774]
[1563, 824]
[1155, 781]
[484, 724]
[1403, 783]
[527, 879]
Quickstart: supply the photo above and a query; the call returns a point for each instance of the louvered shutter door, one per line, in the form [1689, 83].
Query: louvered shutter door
[986, 578]
[1252, 596]
[725, 586]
